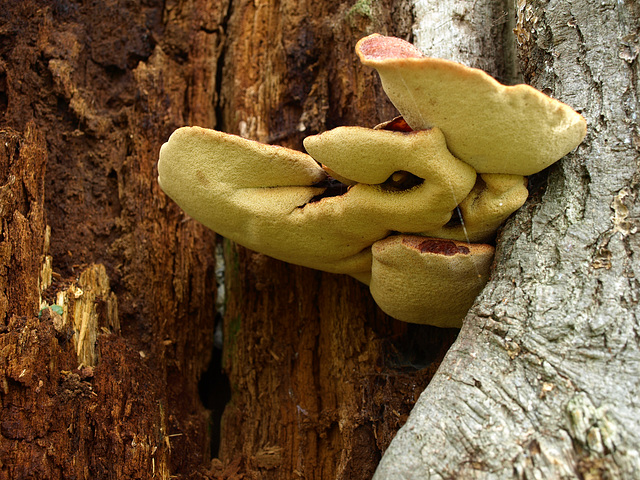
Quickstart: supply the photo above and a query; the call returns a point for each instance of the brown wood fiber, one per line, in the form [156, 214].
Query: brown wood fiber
[321, 379]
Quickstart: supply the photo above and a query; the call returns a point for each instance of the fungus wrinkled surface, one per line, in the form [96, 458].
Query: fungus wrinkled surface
[401, 206]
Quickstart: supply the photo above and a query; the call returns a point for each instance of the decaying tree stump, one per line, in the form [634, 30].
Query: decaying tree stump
[105, 383]
[105, 387]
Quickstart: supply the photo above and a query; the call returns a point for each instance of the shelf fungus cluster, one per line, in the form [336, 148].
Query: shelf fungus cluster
[409, 207]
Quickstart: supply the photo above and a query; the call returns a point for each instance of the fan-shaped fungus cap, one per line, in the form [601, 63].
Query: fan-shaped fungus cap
[268, 198]
[428, 280]
[492, 127]
[255, 194]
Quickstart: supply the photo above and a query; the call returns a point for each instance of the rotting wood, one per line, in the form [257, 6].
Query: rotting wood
[90, 308]
[88, 93]
[22, 167]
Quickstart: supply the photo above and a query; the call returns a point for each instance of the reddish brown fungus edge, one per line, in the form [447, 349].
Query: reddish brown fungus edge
[442, 247]
[398, 124]
[380, 48]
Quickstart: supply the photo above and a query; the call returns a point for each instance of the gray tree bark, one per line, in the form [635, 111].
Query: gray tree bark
[543, 379]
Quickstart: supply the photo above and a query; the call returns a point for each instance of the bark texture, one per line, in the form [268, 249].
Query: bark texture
[476, 33]
[105, 384]
[543, 379]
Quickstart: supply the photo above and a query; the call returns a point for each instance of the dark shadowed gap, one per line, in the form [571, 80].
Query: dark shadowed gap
[419, 347]
[215, 393]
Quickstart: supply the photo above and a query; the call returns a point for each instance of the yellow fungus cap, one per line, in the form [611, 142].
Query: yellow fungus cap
[492, 127]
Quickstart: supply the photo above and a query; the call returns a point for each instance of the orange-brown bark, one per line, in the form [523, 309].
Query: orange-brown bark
[88, 95]
[108, 387]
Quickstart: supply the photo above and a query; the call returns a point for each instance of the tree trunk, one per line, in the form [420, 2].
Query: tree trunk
[542, 381]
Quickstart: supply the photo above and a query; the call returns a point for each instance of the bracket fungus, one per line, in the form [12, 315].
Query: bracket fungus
[412, 193]
[492, 127]
[412, 277]
[262, 196]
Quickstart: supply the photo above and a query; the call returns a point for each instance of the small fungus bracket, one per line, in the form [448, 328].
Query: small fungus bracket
[411, 275]
[406, 207]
